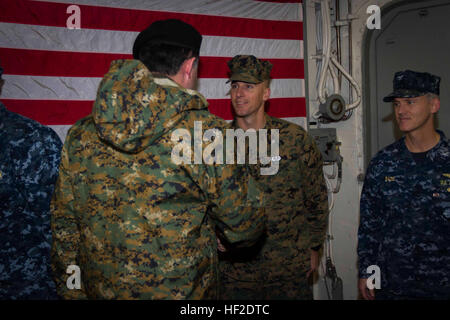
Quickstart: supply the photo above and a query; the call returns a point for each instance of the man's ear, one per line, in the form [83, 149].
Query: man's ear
[186, 73]
[189, 67]
[435, 105]
[266, 95]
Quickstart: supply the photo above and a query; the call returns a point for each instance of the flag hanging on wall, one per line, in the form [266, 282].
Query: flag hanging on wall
[55, 52]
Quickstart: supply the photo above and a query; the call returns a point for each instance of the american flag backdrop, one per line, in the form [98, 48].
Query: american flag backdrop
[52, 72]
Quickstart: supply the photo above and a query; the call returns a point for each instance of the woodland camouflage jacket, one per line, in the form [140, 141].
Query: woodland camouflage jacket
[138, 225]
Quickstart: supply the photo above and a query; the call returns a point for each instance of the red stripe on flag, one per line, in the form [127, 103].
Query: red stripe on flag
[57, 63]
[60, 112]
[92, 17]
[76, 64]
[50, 112]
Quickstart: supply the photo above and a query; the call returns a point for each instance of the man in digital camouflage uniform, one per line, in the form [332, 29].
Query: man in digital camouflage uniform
[29, 159]
[405, 203]
[139, 225]
[279, 265]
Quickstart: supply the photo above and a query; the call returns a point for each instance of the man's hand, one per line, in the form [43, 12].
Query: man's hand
[367, 294]
[314, 263]
[220, 246]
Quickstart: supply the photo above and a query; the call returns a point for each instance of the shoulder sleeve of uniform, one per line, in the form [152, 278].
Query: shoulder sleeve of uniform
[51, 152]
[35, 152]
[315, 190]
[370, 222]
[65, 231]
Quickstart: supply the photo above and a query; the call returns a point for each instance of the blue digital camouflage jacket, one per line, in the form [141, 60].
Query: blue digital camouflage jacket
[405, 221]
[29, 160]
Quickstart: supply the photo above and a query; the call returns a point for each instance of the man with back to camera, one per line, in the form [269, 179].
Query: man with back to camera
[405, 203]
[139, 225]
[29, 159]
[279, 265]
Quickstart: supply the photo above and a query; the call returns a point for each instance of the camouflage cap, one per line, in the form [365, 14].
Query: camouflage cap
[249, 69]
[410, 84]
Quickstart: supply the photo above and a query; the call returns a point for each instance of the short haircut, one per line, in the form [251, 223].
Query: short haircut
[432, 96]
[165, 58]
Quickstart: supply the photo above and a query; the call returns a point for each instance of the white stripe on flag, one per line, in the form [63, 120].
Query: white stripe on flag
[22, 36]
[279, 88]
[72, 88]
[225, 8]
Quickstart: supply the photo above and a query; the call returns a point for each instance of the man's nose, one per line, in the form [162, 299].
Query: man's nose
[400, 107]
[239, 91]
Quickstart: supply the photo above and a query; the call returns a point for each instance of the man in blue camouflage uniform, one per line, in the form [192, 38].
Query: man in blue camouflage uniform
[29, 159]
[279, 265]
[405, 203]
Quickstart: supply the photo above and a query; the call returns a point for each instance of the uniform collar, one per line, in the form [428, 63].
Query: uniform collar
[268, 125]
[441, 150]
[432, 153]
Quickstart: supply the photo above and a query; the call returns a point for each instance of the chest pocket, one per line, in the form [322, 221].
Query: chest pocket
[394, 190]
[441, 195]
[285, 187]
[289, 162]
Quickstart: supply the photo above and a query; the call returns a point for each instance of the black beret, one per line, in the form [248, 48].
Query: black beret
[171, 31]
